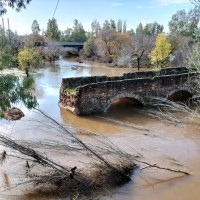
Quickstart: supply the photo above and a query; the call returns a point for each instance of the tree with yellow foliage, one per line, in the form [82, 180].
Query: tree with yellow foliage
[161, 52]
[28, 59]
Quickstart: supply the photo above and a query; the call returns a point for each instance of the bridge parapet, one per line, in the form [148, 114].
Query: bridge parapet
[99, 92]
[80, 81]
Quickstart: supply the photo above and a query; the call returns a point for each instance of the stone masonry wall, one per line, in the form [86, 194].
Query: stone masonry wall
[97, 97]
[100, 92]
[75, 82]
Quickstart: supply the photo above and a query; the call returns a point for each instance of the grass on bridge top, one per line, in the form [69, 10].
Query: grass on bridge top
[71, 90]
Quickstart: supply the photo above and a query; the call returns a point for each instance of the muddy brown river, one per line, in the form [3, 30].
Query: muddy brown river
[164, 144]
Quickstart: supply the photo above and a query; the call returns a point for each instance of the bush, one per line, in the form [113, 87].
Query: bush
[29, 58]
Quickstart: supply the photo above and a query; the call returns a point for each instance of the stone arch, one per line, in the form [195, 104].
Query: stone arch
[180, 94]
[121, 96]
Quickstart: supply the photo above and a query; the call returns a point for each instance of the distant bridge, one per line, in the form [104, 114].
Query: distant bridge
[86, 95]
[66, 47]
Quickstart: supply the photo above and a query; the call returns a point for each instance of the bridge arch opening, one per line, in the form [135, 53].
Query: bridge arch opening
[180, 95]
[124, 103]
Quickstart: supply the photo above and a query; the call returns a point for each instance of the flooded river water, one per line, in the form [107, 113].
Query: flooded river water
[165, 144]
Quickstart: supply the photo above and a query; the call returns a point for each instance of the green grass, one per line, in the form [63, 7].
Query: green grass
[71, 90]
[156, 70]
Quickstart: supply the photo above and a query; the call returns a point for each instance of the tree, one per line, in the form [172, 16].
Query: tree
[15, 4]
[149, 29]
[194, 57]
[66, 35]
[143, 44]
[35, 27]
[52, 53]
[90, 47]
[197, 35]
[14, 91]
[153, 28]
[103, 42]
[181, 47]
[96, 27]
[78, 32]
[113, 24]
[29, 58]
[120, 41]
[139, 29]
[52, 32]
[119, 26]
[161, 52]
[136, 51]
[124, 27]
[106, 25]
[196, 3]
[183, 23]
[110, 43]
[131, 32]
[9, 47]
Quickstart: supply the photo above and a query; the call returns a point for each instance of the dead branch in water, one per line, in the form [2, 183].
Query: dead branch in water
[159, 167]
[109, 166]
[166, 110]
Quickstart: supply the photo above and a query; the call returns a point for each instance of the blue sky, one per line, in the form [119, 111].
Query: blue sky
[133, 11]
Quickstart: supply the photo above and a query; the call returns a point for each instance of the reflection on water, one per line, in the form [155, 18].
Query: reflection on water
[155, 141]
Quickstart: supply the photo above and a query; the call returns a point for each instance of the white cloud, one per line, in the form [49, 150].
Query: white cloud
[169, 2]
[117, 4]
[139, 7]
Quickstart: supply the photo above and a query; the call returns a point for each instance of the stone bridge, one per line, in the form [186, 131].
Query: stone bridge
[86, 95]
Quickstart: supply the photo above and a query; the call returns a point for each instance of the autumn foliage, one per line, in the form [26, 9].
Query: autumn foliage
[161, 52]
[110, 43]
[28, 59]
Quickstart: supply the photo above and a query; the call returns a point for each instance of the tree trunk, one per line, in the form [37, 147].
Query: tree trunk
[138, 63]
[27, 72]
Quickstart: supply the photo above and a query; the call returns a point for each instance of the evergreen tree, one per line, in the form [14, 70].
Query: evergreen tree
[106, 25]
[139, 29]
[96, 27]
[35, 27]
[124, 27]
[184, 23]
[78, 32]
[52, 32]
[113, 24]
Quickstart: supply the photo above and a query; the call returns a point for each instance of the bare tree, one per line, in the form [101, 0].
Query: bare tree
[104, 42]
[137, 50]
[181, 46]
[52, 53]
